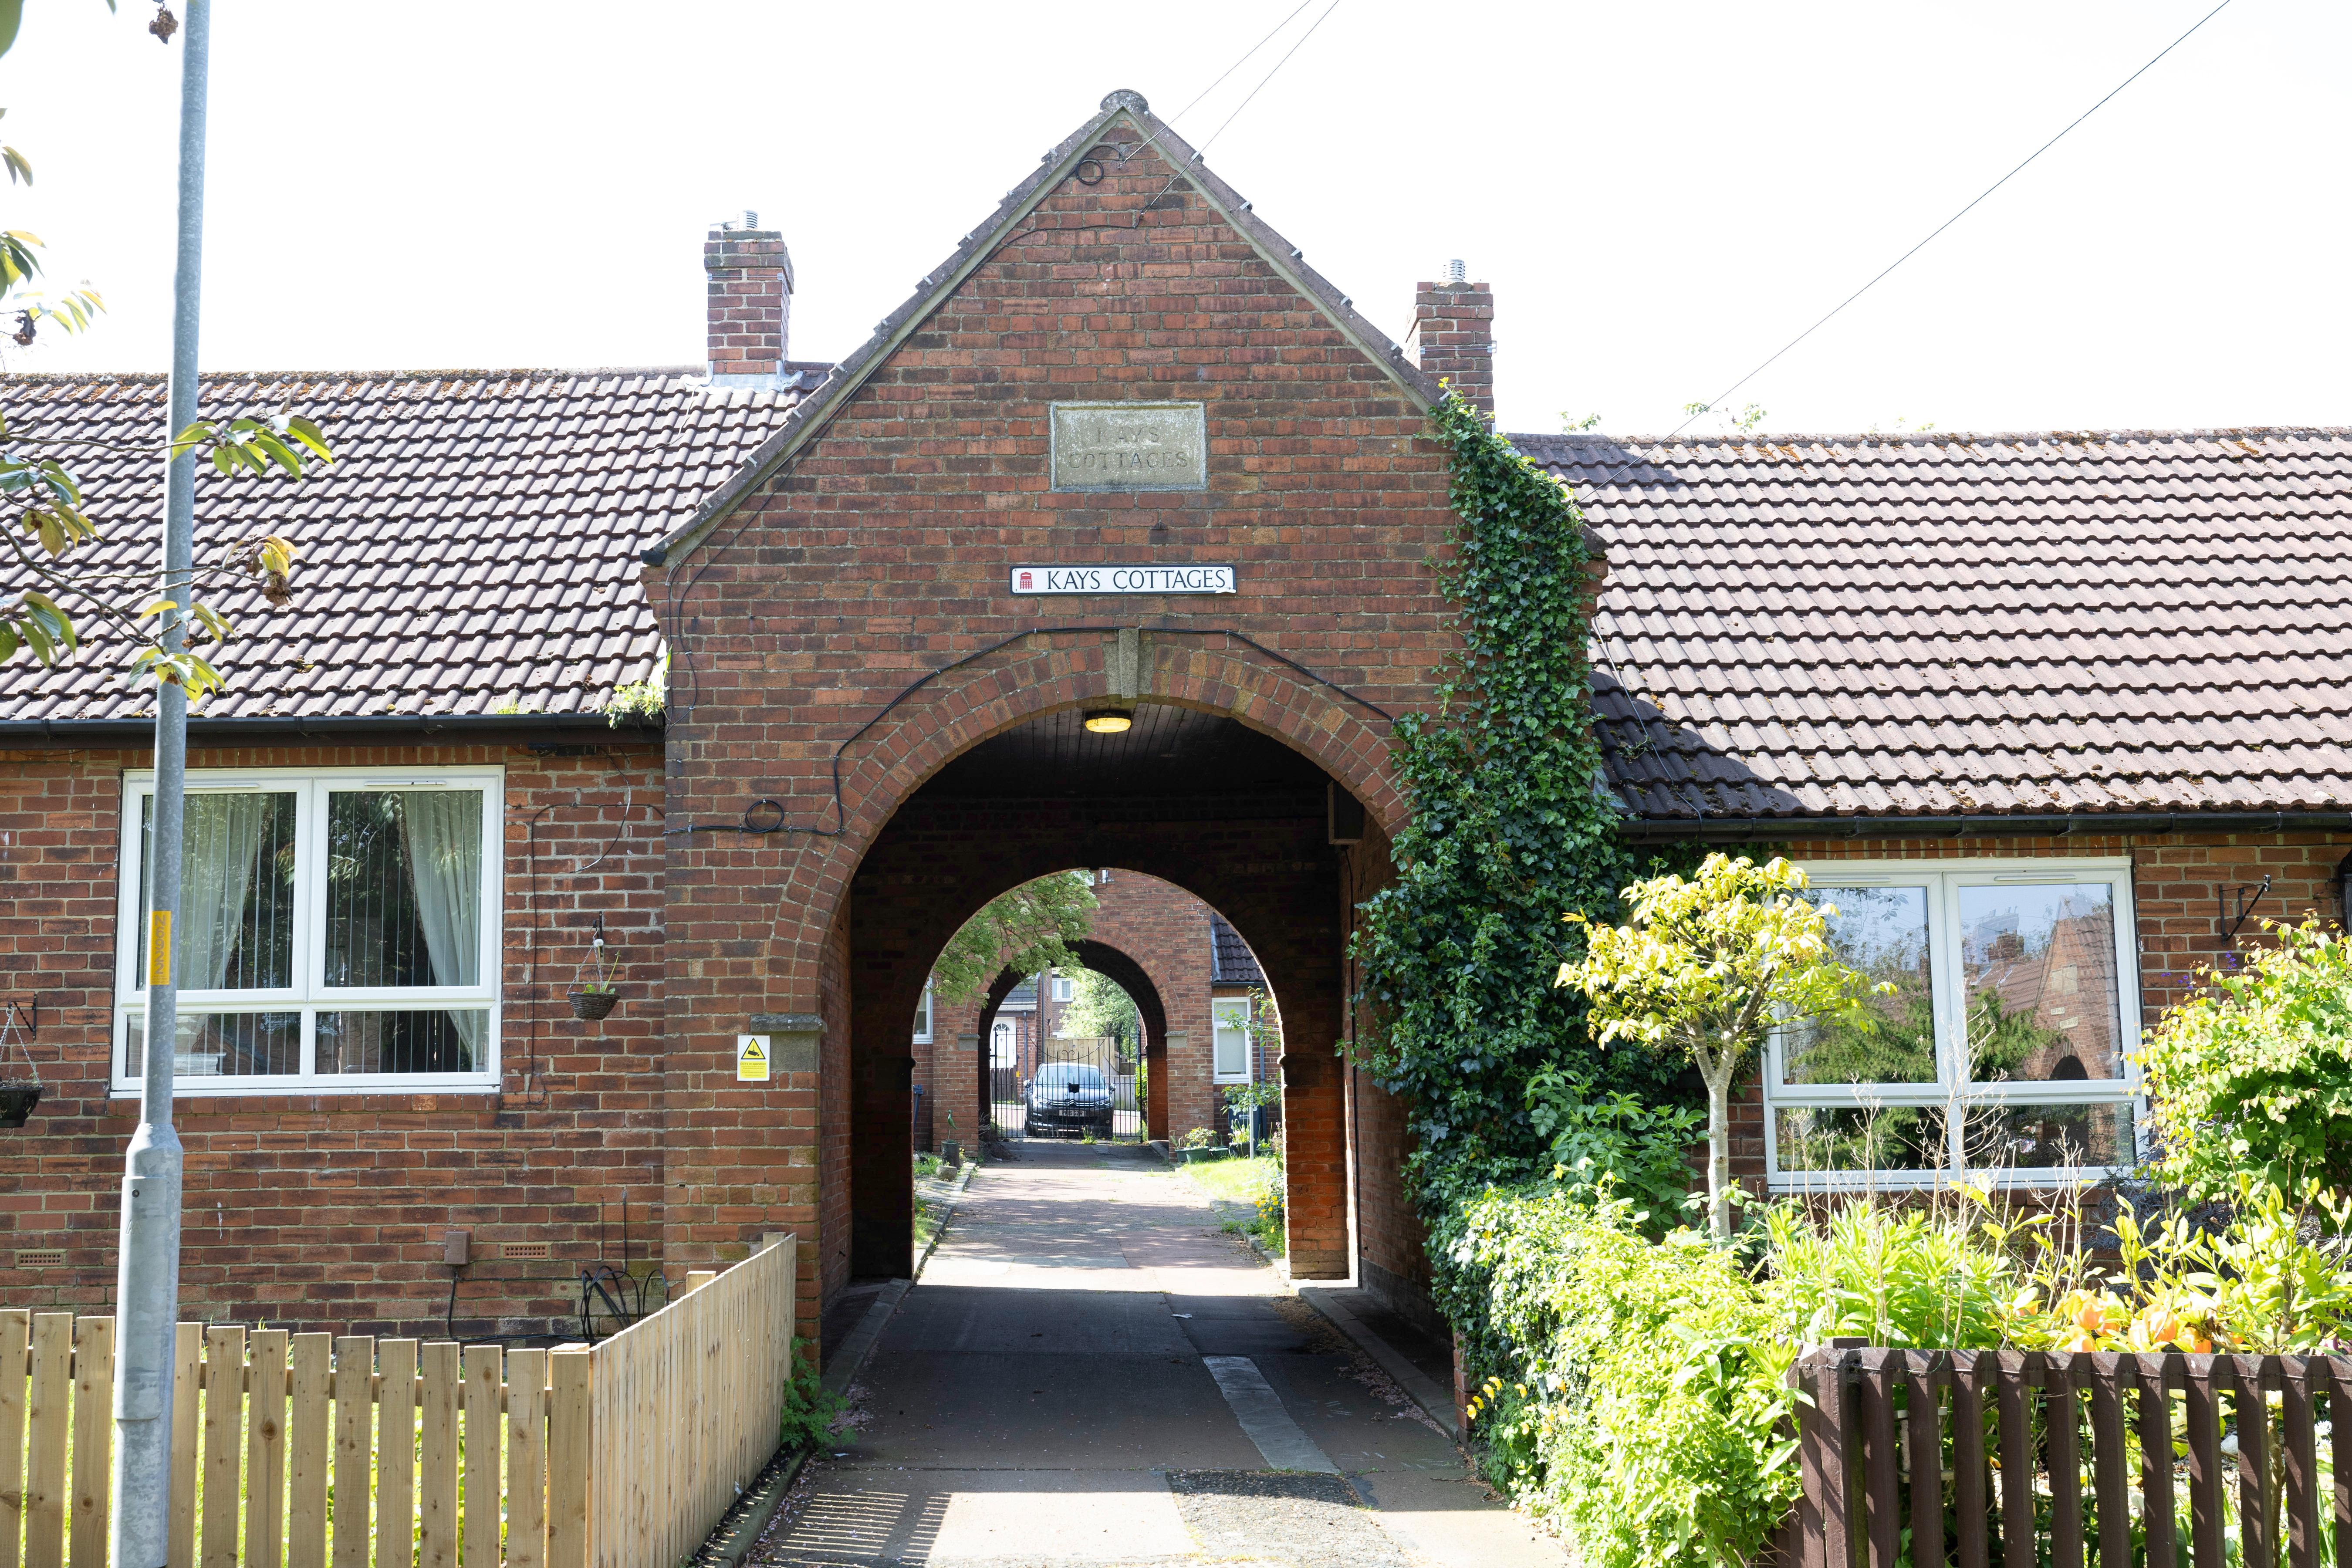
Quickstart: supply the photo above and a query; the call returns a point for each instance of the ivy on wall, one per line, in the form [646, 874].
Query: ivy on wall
[1510, 829]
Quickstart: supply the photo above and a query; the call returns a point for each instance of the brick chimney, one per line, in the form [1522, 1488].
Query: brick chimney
[751, 291]
[1453, 335]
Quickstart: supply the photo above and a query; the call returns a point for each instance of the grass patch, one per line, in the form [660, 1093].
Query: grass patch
[1236, 1181]
[1257, 1182]
[927, 1215]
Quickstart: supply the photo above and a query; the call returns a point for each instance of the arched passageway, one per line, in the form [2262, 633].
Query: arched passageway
[1132, 974]
[1193, 797]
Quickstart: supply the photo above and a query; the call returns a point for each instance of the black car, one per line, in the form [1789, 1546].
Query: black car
[1067, 1096]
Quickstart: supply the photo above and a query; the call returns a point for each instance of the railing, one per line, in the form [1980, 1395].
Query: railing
[623, 1455]
[1933, 1456]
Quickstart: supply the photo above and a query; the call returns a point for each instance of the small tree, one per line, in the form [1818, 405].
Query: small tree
[1708, 967]
[1101, 1008]
[1035, 926]
[2254, 1076]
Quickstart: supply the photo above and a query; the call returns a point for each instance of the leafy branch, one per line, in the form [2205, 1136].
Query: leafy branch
[52, 532]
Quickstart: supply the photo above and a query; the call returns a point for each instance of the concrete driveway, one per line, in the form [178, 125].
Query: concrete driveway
[1088, 1372]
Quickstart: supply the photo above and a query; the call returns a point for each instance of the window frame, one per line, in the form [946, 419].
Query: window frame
[923, 1013]
[310, 994]
[1950, 1088]
[1226, 1007]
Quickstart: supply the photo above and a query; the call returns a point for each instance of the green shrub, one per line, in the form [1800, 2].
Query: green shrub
[1608, 1143]
[2254, 1076]
[1631, 1389]
[811, 1409]
[1918, 1275]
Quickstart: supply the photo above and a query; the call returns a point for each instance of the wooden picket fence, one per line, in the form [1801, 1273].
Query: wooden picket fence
[1935, 1457]
[620, 1455]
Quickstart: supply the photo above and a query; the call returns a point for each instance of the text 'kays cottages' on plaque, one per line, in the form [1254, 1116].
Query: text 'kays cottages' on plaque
[1130, 447]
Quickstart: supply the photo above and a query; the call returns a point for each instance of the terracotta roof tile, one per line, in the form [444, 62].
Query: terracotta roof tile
[1944, 624]
[475, 544]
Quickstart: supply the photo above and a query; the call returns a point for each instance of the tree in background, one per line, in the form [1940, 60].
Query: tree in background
[1708, 967]
[1101, 1008]
[1036, 926]
[60, 582]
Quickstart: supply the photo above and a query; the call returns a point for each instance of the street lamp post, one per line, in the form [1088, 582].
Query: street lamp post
[147, 1285]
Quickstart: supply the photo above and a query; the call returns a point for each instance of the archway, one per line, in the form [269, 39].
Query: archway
[1125, 971]
[1196, 798]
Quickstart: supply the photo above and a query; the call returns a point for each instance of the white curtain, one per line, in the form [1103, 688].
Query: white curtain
[220, 840]
[443, 832]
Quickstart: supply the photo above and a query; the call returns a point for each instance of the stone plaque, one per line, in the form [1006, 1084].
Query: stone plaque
[1130, 447]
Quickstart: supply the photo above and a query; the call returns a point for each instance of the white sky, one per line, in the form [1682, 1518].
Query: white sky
[1661, 194]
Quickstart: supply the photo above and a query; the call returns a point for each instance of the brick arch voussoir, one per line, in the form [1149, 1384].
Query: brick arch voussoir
[1339, 734]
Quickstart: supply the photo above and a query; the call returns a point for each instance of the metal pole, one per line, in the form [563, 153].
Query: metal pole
[147, 1285]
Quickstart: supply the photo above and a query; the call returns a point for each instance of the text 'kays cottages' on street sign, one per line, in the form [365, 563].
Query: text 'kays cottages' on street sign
[1108, 578]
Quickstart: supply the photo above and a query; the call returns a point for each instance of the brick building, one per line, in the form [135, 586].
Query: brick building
[1125, 455]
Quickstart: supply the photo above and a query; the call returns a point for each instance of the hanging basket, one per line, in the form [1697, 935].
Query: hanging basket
[594, 1004]
[16, 1103]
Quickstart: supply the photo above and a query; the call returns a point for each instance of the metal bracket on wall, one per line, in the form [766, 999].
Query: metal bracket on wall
[2232, 923]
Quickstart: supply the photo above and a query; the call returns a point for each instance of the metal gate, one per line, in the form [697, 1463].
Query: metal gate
[1067, 1089]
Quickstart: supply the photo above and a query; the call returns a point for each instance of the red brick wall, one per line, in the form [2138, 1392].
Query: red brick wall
[880, 557]
[328, 1211]
[2175, 883]
[1166, 929]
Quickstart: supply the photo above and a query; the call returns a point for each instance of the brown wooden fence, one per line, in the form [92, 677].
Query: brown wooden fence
[623, 1455]
[2047, 1458]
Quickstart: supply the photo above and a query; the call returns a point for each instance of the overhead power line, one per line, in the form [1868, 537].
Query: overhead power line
[1718, 400]
[1237, 65]
[1285, 60]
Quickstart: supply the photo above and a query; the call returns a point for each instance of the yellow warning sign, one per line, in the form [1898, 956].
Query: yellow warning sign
[752, 1054]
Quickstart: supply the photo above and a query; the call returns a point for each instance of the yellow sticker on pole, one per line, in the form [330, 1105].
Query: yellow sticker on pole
[159, 948]
[751, 1059]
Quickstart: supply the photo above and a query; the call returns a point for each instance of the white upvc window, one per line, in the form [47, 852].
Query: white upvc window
[338, 931]
[923, 1017]
[1230, 1018]
[2002, 1055]
[1066, 988]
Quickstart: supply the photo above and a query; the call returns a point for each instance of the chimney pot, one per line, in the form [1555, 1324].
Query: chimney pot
[1455, 271]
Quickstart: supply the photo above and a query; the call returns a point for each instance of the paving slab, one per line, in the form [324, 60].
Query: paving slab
[970, 1517]
[1452, 1521]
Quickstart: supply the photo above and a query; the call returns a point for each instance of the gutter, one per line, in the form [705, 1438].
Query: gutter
[26, 734]
[1756, 829]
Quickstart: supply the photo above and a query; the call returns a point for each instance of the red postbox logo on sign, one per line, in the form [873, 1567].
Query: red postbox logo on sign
[1028, 581]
